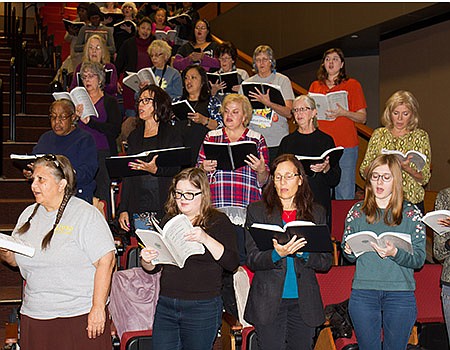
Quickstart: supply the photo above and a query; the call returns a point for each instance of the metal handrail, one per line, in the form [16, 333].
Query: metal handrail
[12, 100]
[23, 78]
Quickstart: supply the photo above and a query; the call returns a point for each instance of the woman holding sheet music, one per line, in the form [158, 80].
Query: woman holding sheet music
[144, 196]
[284, 302]
[308, 140]
[105, 128]
[340, 123]
[401, 132]
[131, 58]
[95, 50]
[195, 126]
[189, 310]
[270, 121]
[69, 276]
[233, 190]
[382, 295]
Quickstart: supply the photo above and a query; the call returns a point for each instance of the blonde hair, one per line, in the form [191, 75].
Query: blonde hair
[243, 101]
[133, 5]
[105, 52]
[393, 211]
[161, 45]
[407, 99]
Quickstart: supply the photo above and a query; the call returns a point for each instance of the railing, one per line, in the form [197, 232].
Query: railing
[23, 78]
[12, 99]
[25, 9]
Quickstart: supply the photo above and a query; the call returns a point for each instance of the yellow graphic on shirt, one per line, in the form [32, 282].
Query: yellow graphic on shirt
[263, 117]
[64, 229]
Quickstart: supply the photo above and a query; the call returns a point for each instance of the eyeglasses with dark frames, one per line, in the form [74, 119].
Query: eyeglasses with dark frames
[59, 117]
[287, 177]
[300, 110]
[189, 196]
[384, 177]
[145, 100]
[52, 158]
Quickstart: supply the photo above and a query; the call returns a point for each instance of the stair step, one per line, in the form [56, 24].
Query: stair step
[16, 189]
[47, 72]
[26, 133]
[31, 79]
[31, 97]
[29, 120]
[17, 147]
[10, 171]
[12, 208]
[36, 107]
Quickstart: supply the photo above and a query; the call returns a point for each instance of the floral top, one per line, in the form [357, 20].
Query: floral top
[439, 250]
[415, 140]
[392, 273]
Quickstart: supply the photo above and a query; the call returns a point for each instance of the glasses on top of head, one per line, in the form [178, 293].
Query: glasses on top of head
[300, 110]
[52, 158]
[145, 100]
[287, 177]
[189, 196]
[59, 117]
[383, 177]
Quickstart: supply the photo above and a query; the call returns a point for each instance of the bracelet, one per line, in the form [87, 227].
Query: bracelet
[207, 122]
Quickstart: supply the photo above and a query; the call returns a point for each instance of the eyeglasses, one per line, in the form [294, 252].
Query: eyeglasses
[189, 196]
[287, 177]
[201, 28]
[59, 117]
[384, 177]
[96, 48]
[300, 110]
[88, 76]
[127, 7]
[262, 60]
[145, 100]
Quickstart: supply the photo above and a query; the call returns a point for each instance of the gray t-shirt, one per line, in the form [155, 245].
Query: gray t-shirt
[279, 127]
[60, 279]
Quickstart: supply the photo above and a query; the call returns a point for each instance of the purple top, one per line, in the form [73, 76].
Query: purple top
[100, 139]
[110, 89]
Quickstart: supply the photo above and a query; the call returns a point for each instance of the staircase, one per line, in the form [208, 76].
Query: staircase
[15, 193]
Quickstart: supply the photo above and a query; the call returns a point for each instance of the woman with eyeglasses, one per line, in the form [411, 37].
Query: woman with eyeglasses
[227, 55]
[340, 123]
[144, 196]
[189, 310]
[272, 120]
[69, 276]
[200, 51]
[105, 128]
[382, 304]
[308, 140]
[401, 132]
[168, 77]
[284, 302]
[128, 28]
[207, 110]
[132, 57]
[95, 51]
[74, 143]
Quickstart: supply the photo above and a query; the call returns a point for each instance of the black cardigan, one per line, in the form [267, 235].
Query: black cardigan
[167, 136]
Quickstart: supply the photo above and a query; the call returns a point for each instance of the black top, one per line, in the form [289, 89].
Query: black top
[141, 193]
[314, 144]
[201, 277]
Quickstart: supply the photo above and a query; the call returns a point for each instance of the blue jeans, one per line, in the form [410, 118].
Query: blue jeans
[372, 311]
[346, 187]
[186, 324]
[445, 294]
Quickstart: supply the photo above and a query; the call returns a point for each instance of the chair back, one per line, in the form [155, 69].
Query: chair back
[428, 293]
[339, 211]
[336, 284]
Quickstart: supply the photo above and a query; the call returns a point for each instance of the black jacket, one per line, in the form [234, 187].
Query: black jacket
[267, 286]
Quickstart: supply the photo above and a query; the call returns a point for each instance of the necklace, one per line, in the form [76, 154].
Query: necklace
[289, 214]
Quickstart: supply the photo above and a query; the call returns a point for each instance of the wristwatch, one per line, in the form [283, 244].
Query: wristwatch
[207, 122]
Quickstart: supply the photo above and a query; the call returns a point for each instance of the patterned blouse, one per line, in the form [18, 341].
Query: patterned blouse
[415, 140]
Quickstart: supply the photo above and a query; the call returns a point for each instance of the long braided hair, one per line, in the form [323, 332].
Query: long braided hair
[61, 168]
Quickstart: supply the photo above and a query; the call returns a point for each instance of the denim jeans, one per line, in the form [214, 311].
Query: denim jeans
[186, 324]
[372, 311]
[287, 331]
[346, 187]
[445, 294]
